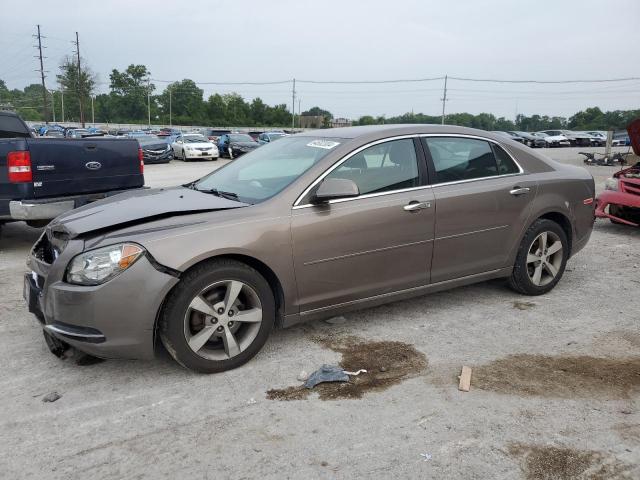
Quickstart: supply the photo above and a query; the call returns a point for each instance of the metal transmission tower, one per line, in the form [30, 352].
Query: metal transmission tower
[45, 107]
[293, 105]
[77, 44]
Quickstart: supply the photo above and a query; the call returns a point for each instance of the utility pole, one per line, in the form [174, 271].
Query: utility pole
[77, 43]
[53, 106]
[44, 88]
[293, 105]
[170, 120]
[93, 117]
[62, 100]
[299, 110]
[444, 97]
[149, 102]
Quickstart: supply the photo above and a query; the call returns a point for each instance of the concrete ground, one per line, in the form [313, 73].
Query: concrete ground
[555, 390]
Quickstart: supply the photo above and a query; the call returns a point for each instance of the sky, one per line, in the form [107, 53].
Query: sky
[349, 40]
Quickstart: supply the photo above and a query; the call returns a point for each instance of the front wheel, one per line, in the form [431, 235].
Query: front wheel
[541, 259]
[218, 317]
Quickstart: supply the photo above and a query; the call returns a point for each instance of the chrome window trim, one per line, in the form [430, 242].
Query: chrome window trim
[296, 204]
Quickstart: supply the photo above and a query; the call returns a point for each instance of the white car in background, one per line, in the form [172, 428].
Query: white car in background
[553, 140]
[193, 146]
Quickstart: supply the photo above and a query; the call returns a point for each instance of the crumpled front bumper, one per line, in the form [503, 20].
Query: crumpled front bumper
[622, 199]
[112, 320]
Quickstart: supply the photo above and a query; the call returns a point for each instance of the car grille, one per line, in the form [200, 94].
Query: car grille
[628, 187]
[203, 149]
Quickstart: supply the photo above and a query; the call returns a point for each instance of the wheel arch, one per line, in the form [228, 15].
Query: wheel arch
[562, 220]
[261, 267]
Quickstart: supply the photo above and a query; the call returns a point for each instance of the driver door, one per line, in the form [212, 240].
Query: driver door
[376, 243]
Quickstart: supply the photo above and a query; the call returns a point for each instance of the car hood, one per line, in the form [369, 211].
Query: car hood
[245, 144]
[154, 146]
[200, 145]
[138, 206]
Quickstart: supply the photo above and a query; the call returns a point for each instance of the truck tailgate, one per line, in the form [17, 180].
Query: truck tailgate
[72, 166]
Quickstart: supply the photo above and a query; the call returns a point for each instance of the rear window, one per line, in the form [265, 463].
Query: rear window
[506, 165]
[12, 127]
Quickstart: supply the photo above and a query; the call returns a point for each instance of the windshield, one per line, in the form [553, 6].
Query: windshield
[241, 138]
[266, 171]
[273, 136]
[195, 139]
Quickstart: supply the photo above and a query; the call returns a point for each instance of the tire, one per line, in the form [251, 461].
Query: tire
[228, 342]
[524, 274]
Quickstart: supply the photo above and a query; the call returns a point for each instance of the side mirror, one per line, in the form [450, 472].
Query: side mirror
[333, 188]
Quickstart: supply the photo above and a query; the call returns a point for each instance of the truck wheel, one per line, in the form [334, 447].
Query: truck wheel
[218, 317]
[541, 258]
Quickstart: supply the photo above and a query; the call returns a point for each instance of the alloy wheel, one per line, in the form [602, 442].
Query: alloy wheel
[544, 258]
[223, 320]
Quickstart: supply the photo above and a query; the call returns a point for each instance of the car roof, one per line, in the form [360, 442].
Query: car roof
[382, 131]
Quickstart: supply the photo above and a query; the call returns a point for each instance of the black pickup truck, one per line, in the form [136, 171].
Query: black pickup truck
[40, 178]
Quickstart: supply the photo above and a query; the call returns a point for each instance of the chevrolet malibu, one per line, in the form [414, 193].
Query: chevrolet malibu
[313, 225]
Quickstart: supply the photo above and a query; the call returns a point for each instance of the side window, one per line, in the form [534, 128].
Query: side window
[506, 165]
[458, 159]
[381, 168]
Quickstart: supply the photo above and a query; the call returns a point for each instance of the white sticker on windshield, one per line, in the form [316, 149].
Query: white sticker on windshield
[326, 144]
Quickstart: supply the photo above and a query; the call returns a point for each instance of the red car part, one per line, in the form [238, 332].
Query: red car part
[628, 193]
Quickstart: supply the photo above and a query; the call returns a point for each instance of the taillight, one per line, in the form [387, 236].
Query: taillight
[19, 164]
[141, 159]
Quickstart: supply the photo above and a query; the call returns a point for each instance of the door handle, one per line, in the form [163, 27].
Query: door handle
[519, 191]
[416, 206]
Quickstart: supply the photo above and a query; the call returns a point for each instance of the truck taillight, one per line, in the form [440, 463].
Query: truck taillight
[141, 159]
[19, 164]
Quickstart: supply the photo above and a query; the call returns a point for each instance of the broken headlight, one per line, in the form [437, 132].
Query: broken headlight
[102, 264]
[611, 184]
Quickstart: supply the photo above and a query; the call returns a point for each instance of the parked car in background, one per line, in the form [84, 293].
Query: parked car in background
[575, 138]
[217, 263]
[42, 177]
[193, 146]
[233, 145]
[530, 139]
[155, 149]
[599, 138]
[621, 139]
[53, 133]
[268, 137]
[510, 135]
[214, 134]
[553, 140]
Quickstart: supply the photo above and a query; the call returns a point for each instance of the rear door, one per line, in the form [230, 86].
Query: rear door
[483, 202]
[376, 243]
[77, 166]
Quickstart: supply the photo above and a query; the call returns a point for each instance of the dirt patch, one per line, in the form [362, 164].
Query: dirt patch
[554, 463]
[561, 377]
[387, 363]
[629, 432]
[289, 393]
[523, 305]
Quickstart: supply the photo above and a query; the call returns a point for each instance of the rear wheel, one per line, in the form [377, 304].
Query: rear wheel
[541, 259]
[218, 317]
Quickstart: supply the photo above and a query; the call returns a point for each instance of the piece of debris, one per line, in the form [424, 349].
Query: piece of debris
[251, 401]
[362, 370]
[572, 342]
[426, 456]
[51, 397]
[326, 373]
[465, 379]
[383, 369]
[523, 305]
[336, 320]
[303, 376]
[626, 412]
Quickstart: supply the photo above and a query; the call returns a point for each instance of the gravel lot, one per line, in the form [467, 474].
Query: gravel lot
[555, 388]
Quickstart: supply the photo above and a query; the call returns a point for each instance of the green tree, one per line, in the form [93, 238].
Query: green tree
[129, 91]
[75, 87]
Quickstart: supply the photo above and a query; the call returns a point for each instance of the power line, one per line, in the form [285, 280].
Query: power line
[488, 80]
[279, 82]
[346, 82]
